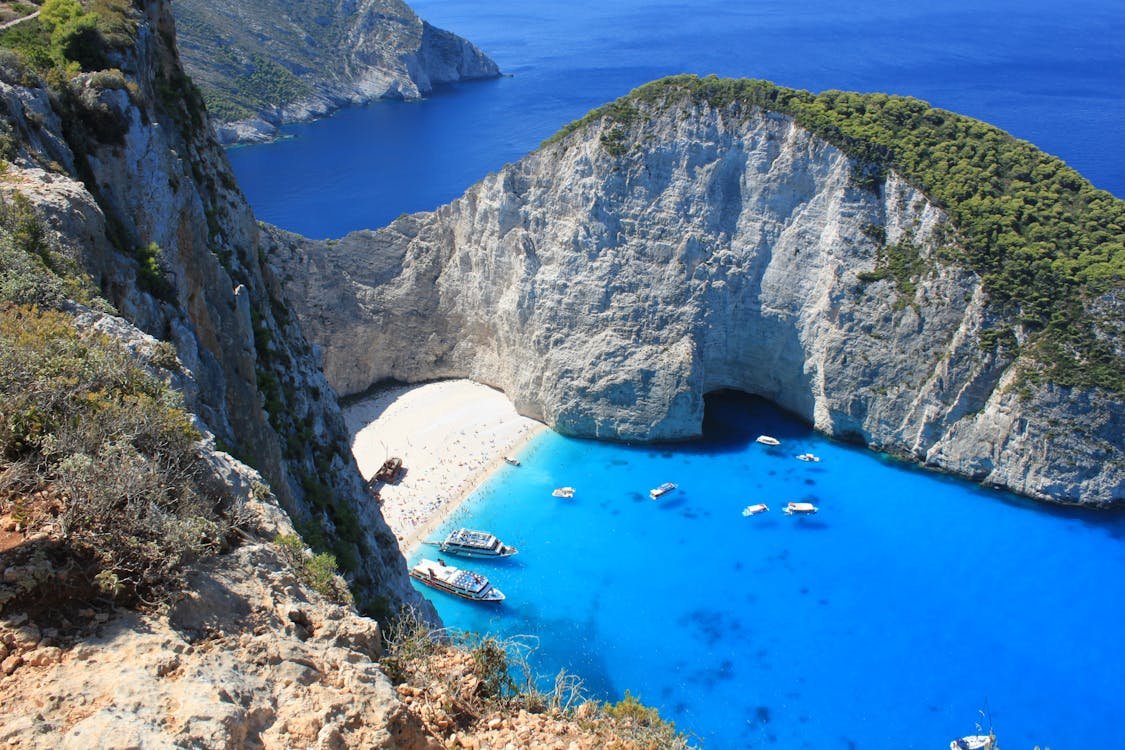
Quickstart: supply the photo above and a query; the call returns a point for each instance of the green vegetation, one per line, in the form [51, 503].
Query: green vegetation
[437, 662]
[901, 262]
[317, 570]
[91, 445]
[1046, 243]
[69, 37]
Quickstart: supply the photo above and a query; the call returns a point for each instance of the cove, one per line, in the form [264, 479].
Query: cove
[890, 619]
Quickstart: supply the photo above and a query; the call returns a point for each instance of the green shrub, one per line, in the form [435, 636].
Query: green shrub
[318, 571]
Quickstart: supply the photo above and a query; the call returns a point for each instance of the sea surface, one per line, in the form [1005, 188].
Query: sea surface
[1052, 73]
[890, 619]
[911, 603]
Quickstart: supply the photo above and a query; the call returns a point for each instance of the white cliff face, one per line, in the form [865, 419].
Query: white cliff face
[606, 293]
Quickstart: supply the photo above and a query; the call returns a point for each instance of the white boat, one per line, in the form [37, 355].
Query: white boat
[566, 492]
[973, 742]
[753, 510]
[663, 489]
[469, 543]
[767, 440]
[513, 461]
[463, 583]
[809, 457]
[800, 508]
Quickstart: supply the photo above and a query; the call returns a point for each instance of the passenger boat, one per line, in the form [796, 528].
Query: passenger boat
[469, 543]
[973, 742]
[809, 457]
[463, 583]
[567, 492]
[663, 489]
[767, 440]
[512, 460]
[753, 510]
[800, 508]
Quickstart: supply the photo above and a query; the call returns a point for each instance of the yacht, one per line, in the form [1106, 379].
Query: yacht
[973, 742]
[809, 457]
[512, 460]
[753, 510]
[663, 489]
[800, 508]
[567, 492]
[463, 583]
[767, 440]
[469, 543]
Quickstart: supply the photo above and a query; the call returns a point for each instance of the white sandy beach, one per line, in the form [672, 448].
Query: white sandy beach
[450, 435]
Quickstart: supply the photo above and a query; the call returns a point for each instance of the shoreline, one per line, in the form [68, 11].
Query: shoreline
[451, 435]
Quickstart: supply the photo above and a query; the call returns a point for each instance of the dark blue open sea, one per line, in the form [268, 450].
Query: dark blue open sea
[911, 602]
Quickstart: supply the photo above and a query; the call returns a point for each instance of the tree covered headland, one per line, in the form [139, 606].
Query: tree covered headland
[1048, 245]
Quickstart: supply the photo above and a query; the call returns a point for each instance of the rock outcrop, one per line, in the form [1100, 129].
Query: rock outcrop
[124, 170]
[610, 280]
[263, 63]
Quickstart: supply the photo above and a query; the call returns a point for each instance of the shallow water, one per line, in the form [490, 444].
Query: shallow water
[889, 619]
[1047, 72]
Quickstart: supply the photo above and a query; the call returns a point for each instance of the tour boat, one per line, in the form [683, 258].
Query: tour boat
[663, 489]
[567, 492]
[463, 583]
[767, 440]
[513, 461]
[469, 543]
[809, 457]
[973, 742]
[753, 510]
[792, 508]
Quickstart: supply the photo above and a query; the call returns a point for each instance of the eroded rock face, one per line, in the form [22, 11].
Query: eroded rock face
[610, 280]
[124, 161]
[336, 54]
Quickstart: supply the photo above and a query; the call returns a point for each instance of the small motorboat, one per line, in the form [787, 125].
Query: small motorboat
[753, 510]
[809, 457]
[800, 509]
[663, 489]
[767, 440]
[463, 583]
[973, 742]
[567, 492]
[512, 460]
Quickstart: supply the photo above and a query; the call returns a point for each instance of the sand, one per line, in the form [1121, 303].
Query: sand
[450, 435]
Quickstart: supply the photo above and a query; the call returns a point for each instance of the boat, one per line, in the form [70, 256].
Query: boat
[800, 508]
[463, 583]
[973, 742]
[469, 543]
[567, 492]
[767, 440]
[663, 489]
[512, 460]
[753, 510]
[809, 457]
[389, 471]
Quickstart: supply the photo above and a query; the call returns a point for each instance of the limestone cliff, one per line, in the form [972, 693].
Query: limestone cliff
[609, 280]
[262, 63]
[122, 166]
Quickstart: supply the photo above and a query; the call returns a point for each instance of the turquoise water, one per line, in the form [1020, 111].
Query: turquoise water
[890, 619]
[1048, 72]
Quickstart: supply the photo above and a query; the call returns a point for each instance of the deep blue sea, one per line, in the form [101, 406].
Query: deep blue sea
[911, 602]
[1049, 72]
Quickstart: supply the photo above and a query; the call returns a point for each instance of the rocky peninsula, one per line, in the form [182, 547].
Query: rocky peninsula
[701, 235]
[262, 63]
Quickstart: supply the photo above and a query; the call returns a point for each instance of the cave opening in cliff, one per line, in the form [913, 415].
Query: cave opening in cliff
[734, 418]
